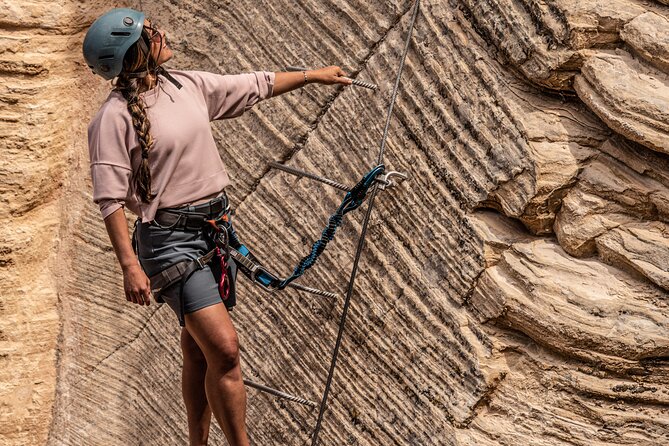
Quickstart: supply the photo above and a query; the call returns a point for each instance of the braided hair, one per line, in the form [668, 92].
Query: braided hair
[137, 63]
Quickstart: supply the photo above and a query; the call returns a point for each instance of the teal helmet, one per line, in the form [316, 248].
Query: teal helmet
[109, 38]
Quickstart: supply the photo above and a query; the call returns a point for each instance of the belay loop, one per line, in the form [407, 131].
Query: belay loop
[353, 199]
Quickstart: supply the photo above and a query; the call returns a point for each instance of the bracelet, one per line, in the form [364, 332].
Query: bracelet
[306, 81]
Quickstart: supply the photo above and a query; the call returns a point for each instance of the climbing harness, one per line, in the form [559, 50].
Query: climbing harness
[180, 272]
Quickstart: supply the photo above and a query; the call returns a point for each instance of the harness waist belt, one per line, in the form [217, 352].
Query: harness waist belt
[185, 219]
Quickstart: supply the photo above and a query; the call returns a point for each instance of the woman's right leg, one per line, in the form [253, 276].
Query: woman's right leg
[192, 387]
[212, 329]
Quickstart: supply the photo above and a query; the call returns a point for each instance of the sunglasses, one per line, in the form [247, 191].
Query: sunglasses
[153, 31]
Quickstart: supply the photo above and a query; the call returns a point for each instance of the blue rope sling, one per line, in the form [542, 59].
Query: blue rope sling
[353, 199]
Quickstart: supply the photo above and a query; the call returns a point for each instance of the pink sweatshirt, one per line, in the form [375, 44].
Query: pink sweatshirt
[184, 161]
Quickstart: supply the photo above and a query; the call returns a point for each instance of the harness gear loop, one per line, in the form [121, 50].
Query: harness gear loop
[222, 253]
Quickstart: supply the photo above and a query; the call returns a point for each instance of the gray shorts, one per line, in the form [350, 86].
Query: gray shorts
[159, 248]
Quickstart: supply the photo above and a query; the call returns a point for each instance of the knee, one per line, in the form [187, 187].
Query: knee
[224, 355]
[190, 350]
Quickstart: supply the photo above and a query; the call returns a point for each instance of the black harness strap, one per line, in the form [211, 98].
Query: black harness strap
[170, 275]
[180, 271]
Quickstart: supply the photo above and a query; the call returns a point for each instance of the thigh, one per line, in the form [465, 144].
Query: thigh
[199, 291]
[212, 329]
[190, 349]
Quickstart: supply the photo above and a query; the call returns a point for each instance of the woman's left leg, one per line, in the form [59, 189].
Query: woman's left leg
[212, 329]
[192, 387]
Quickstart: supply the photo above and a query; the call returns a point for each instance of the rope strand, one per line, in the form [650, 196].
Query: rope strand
[361, 241]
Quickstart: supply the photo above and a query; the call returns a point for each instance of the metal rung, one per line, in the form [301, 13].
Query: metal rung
[363, 84]
[280, 394]
[355, 82]
[313, 290]
[301, 173]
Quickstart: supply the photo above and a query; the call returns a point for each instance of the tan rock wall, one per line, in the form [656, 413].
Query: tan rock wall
[41, 124]
[513, 292]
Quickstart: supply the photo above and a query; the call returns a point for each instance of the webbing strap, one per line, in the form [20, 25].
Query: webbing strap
[353, 199]
[173, 273]
[180, 271]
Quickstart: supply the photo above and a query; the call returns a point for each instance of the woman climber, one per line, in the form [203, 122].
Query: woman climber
[152, 151]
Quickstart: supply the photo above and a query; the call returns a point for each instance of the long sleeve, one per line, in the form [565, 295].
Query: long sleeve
[110, 161]
[184, 162]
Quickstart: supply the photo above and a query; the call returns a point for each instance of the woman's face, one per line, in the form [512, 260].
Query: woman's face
[160, 51]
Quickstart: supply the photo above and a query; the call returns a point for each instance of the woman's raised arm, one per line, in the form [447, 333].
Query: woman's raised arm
[288, 81]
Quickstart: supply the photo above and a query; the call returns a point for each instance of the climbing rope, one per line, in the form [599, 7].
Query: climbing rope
[361, 240]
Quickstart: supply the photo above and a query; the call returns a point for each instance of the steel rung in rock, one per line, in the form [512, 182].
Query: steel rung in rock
[280, 394]
[301, 173]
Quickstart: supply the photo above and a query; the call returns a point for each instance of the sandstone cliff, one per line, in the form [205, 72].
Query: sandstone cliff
[514, 291]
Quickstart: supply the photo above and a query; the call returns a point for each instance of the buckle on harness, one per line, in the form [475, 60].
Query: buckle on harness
[264, 278]
[200, 263]
[257, 273]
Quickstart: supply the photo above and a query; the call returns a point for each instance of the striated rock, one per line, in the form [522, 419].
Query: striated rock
[619, 189]
[546, 41]
[562, 137]
[632, 99]
[532, 38]
[644, 248]
[648, 36]
[38, 105]
[578, 404]
[598, 23]
[473, 321]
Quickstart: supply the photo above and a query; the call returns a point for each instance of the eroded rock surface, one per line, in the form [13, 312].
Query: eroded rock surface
[521, 274]
[648, 35]
[631, 98]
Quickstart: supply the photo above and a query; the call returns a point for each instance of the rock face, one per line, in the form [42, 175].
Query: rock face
[514, 291]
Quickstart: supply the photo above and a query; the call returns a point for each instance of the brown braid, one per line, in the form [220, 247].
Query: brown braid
[134, 61]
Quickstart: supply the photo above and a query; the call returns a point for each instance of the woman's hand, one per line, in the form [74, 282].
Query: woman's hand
[328, 76]
[290, 80]
[136, 285]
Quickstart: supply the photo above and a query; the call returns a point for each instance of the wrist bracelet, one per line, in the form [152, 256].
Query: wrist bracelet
[306, 81]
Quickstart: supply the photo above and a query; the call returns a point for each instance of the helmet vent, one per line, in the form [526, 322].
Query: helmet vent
[106, 56]
[120, 33]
